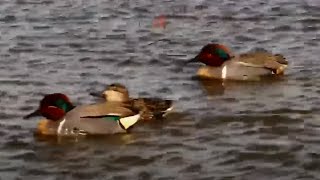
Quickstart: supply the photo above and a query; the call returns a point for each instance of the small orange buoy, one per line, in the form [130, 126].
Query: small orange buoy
[159, 22]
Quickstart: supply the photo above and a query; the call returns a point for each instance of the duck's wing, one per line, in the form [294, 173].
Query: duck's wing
[275, 62]
[107, 124]
[96, 125]
[103, 118]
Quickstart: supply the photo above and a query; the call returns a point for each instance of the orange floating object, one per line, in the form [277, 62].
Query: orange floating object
[160, 22]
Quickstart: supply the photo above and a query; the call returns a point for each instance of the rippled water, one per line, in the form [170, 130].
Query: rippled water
[266, 130]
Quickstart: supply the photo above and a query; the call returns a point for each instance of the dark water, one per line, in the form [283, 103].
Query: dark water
[266, 130]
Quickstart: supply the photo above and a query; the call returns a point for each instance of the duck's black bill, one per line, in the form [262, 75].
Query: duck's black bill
[33, 114]
[193, 60]
[96, 94]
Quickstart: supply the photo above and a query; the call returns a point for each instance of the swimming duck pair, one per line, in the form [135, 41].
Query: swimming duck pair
[117, 114]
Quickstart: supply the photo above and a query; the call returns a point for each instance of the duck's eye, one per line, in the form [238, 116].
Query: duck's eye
[209, 55]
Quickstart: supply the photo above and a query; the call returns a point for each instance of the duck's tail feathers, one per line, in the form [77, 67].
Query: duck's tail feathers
[281, 59]
[277, 65]
[127, 122]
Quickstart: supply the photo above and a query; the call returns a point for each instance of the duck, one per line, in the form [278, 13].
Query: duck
[149, 108]
[62, 118]
[220, 63]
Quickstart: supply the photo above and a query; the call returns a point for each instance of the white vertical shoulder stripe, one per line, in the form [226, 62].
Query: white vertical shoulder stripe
[60, 126]
[224, 72]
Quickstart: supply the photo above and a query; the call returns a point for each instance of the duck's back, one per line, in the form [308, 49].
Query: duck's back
[275, 62]
[122, 109]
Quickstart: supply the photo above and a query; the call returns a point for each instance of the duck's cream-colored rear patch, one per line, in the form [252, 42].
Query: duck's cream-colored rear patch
[129, 121]
[281, 69]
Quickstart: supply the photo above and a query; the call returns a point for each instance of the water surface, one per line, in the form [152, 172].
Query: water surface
[266, 130]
